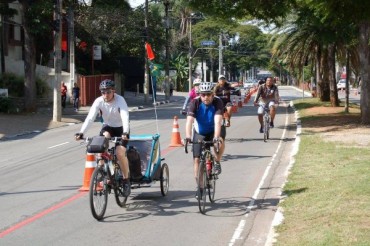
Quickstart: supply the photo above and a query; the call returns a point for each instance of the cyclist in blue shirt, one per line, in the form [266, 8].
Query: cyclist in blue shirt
[204, 122]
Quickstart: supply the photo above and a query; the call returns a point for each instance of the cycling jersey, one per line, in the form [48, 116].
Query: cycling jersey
[114, 113]
[204, 115]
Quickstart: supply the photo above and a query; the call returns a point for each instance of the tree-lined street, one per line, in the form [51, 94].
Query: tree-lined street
[42, 174]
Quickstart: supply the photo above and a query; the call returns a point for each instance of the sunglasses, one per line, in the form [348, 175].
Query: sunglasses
[205, 94]
[106, 92]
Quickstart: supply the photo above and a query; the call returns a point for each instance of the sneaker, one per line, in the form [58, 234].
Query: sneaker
[126, 187]
[261, 129]
[217, 167]
[227, 123]
[272, 124]
[197, 195]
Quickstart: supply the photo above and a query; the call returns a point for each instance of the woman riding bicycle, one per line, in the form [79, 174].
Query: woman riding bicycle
[205, 112]
[114, 111]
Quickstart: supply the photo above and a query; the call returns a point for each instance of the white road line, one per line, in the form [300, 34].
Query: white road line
[238, 231]
[51, 147]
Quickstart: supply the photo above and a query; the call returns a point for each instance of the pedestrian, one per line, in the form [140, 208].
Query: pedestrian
[63, 91]
[76, 96]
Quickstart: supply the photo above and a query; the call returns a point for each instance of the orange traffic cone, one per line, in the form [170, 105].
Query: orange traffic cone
[90, 165]
[175, 139]
[234, 108]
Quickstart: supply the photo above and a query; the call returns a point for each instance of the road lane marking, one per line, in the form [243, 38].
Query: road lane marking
[241, 226]
[55, 207]
[41, 214]
[51, 147]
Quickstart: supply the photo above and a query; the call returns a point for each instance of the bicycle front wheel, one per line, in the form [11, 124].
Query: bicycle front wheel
[265, 128]
[98, 193]
[202, 184]
[211, 186]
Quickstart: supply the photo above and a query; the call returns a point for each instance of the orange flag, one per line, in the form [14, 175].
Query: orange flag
[149, 51]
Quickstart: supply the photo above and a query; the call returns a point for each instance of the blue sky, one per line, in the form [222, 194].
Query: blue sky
[135, 3]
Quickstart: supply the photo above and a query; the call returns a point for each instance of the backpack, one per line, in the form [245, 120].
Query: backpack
[134, 162]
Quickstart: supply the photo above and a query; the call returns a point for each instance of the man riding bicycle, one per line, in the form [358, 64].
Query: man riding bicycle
[114, 111]
[205, 112]
[223, 90]
[269, 95]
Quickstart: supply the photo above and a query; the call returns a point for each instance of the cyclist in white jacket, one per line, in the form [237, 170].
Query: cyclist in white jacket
[114, 111]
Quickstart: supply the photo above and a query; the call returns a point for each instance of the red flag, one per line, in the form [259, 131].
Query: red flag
[149, 51]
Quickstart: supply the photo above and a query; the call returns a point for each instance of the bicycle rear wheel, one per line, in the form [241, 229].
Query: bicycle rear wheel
[202, 184]
[98, 193]
[118, 190]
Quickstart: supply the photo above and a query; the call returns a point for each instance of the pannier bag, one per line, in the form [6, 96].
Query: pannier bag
[133, 157]
[97, 144]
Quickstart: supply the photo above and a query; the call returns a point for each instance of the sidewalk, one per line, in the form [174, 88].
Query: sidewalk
[14, 125]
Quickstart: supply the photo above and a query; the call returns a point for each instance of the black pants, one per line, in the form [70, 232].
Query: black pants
[64, 98]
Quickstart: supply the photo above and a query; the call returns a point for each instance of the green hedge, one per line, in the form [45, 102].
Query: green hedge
[15, 85]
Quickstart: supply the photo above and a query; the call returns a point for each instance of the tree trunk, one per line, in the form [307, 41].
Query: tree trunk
[29, 62]
[331, 75]
[324, 85]
[364, 53]
[318, 71]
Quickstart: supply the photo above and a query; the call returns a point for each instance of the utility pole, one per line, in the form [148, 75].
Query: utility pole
[220, 61]
[71, 45]
[2, 33]
[57, 107]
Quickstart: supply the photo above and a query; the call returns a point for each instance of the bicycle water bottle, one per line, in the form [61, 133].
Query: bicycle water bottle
[209, 166]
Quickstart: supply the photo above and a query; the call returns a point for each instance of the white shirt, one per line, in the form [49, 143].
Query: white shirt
[114, 113]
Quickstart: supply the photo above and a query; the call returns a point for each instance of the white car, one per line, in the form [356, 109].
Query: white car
[341, 85]
[248, 85]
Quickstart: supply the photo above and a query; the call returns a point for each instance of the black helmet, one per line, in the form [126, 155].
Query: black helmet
[107, 84]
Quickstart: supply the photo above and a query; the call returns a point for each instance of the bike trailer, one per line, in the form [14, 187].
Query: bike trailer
[143, 154]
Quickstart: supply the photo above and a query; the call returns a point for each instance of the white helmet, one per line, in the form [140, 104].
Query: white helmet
[197, 82]
[205, 87]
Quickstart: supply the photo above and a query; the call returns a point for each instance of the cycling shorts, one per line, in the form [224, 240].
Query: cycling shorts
[197, 148]
[114, 132]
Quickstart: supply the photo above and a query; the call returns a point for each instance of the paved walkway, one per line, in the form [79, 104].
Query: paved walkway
[13, 125]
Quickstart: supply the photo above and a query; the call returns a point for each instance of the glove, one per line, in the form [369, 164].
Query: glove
[79, 136]
[127, 137]
[187, 140]
[183, 112]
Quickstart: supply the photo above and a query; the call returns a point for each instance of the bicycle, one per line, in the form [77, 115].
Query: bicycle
[105, 178]
[266, 122]
[206, 175]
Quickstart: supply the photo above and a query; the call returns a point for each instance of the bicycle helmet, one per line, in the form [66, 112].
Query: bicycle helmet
[205, 87]
[107, 84]
[197, 82]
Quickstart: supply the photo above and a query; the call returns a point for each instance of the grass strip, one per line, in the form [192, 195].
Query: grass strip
[328, 190]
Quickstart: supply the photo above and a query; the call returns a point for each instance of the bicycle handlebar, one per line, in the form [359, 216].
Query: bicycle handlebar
[216, 144]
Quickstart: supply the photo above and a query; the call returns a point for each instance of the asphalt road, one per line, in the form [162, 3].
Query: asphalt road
[41, 174]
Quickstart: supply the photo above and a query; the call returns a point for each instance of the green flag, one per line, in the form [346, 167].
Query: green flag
[155, 69]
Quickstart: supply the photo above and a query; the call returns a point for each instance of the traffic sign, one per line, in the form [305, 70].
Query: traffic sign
[207, 43]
